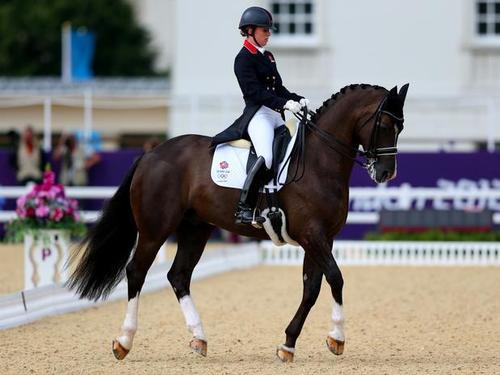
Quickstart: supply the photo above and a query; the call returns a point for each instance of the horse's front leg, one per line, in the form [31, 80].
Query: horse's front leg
[322, 253]
[311, 277]
[320, 249]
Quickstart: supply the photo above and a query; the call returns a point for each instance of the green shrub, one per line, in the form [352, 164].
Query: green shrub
[434, 235]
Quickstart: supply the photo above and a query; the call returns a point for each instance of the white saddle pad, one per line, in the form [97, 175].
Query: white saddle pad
[229, 166]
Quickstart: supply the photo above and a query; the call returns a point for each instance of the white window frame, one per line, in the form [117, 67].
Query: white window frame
[490, 39]
[301, 40]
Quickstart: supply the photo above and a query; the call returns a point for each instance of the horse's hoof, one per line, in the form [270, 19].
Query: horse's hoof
[335, 346]
[119, 351]
[284, 354]
[198, 346]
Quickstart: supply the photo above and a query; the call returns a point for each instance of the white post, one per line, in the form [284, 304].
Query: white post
[492, 118]
[87, 114]
[66, 52]
[47, 124]
[168, 115]
[194, 101]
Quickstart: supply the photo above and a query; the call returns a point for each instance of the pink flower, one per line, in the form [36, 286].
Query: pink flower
[73, 203]
[57, 214]
[42, 211]
[49, 178]
[47, 201]
[21, 201]
[21, 212]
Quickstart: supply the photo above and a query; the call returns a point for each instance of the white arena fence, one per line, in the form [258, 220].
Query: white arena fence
[27, 306]
[373, 199]
[393, 253]
[84, 192]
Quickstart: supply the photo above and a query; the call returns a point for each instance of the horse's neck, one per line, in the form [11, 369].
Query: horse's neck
[328, 155]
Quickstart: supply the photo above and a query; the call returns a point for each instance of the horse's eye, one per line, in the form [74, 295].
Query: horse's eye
[386, 126]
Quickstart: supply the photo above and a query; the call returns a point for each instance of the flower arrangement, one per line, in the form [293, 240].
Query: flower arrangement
[45, 207]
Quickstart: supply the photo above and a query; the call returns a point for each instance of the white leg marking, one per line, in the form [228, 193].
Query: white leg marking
[337, 332]
[192, 317]
[129, 327]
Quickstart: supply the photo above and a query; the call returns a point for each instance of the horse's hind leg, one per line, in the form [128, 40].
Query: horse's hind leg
[311, 276]
[137, 269]
[192, 236]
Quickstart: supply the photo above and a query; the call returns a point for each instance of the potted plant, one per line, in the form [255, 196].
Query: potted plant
[46, 219]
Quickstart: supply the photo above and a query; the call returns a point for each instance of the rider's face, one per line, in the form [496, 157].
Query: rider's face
[262, 35]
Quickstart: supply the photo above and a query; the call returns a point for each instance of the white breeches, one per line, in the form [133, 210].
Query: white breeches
[261, 132]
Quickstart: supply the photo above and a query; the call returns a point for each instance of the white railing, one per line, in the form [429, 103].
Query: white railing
[84, 192]
[362, 199]
[394, 253]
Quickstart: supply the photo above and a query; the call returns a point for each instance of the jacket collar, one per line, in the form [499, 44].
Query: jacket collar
[250, 47]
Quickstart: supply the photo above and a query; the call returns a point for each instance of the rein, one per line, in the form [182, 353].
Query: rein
[337, 145]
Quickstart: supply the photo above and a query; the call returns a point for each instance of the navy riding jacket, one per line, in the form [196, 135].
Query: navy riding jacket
[260, 84]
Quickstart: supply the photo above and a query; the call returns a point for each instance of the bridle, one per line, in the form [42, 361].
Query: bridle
[373, 152]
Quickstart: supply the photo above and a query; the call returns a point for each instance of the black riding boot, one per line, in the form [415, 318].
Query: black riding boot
[249, 194]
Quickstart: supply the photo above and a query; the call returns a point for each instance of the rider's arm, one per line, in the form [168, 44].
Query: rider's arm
[283, 91]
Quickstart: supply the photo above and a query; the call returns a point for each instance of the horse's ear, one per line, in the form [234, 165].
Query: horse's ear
[403, 92]
[394, 91]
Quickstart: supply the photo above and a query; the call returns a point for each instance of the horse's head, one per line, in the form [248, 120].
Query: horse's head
[379, 135]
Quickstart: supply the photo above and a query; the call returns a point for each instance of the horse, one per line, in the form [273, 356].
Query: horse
[169, 191]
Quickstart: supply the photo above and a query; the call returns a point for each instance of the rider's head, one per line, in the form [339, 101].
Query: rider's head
[256, 23]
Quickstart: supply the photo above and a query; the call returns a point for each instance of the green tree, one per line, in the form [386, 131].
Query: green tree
[30, 37]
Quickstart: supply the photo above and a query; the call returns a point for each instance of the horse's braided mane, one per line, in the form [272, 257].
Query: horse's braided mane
[329, 102]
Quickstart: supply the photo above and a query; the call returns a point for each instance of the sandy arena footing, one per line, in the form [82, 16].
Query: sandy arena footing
[399, 320]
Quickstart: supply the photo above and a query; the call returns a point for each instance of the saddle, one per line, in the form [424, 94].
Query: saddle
[275, 224]
[282, 137]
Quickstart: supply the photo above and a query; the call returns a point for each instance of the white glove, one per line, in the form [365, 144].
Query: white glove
[304, 102]
[292, 106]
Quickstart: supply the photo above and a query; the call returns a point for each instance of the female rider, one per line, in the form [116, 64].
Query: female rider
[265, 98]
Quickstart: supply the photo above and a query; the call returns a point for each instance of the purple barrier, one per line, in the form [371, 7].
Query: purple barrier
[110, 171]
[478, 170]
[425, 169]
[465, 170]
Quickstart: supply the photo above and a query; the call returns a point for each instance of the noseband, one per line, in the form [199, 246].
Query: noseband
[373, 152]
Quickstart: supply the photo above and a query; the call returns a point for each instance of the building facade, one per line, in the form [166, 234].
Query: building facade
[449, 52]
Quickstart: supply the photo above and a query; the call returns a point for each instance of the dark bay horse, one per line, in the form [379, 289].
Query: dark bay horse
[169, 190]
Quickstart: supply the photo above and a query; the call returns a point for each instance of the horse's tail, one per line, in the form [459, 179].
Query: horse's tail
[107, 245]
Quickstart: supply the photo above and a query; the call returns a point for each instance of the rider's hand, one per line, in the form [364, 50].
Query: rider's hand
[304, 102]
[292, 106]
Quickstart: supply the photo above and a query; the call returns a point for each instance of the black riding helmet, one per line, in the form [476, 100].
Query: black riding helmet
[256, 16]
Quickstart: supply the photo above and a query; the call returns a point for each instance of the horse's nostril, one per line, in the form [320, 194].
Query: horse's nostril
[385, 175]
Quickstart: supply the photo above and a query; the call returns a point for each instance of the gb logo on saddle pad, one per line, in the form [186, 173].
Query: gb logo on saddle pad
[222, 173]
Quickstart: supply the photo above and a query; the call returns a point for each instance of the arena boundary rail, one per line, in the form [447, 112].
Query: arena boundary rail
[30, 305]
[393, 253]
[372, 199]
[27, 306]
